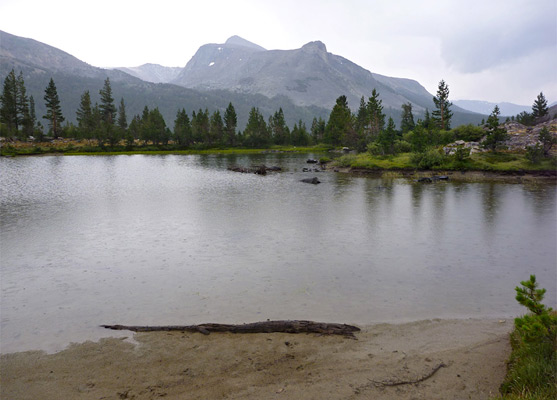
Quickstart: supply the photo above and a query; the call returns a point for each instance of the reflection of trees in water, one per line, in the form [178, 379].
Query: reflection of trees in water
[541, 198]
[490, 201]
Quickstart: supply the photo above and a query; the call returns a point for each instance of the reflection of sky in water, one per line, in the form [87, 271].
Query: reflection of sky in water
[181, 240]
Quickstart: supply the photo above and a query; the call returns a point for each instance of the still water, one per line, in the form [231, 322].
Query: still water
[153, 240]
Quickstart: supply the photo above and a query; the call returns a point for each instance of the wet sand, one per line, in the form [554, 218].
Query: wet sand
[451, 359]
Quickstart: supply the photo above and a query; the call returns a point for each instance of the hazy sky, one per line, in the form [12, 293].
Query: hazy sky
[494, 50]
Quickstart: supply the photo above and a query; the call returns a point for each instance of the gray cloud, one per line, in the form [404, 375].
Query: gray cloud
[503, 40]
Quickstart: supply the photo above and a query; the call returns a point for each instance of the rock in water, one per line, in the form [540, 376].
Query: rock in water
[313, 180]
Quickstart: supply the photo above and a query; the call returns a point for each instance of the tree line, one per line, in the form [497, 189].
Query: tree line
[367, 129]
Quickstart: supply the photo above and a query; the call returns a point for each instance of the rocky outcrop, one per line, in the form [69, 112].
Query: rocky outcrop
[522, 136]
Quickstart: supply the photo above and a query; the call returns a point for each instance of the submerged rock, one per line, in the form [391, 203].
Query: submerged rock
[313, 180]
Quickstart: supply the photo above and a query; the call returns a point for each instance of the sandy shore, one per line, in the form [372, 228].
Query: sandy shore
[468, 357]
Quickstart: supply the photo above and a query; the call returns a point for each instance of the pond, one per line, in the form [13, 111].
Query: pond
[154, 240]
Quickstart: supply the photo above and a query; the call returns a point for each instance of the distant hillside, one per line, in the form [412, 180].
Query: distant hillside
[39, 62]
[486, 107]
[153, 73]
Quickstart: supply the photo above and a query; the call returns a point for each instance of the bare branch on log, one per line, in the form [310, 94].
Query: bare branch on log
[256, 327]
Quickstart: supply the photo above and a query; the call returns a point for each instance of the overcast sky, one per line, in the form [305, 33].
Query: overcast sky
[494, 50]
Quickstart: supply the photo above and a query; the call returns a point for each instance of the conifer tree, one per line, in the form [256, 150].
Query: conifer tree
[200, 126]
[84, 115]
[407, 121]
[14, 111]
[387, 137]
[539, 109]
[375, 115]
[441, 116]
[8, 111]
[122, 119]
[300, 136]
[32, 116]
[216, 128]
[277, 126]
[496, 134]
[23, 106]
[230, 123]
[340, 122]
[107, 107]
[256, 133]
[182, 129]
[53, 110]
[317, 130]
[361, 118]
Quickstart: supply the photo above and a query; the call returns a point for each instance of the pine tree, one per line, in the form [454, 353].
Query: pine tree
[155, 127]
[387, 137]
[340, 122]
[317, 130]
[407, 121]
[107, 107]
[216, 129]
[230, 123]
[361, 118]
[32, 115]
[200, 126]
[441, 116]
[256, 133]
[539, 109]
[134, 131]
[182, 129]
[23, 106]
[84, 116]
[122, 119]
[279, 131]
[8, 112]
[375, 115]
[300, 136]
[53, 110]
[496, 135]
[14, 111]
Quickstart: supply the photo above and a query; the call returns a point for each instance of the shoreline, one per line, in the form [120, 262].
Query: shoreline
[545, 176]
[469, 355]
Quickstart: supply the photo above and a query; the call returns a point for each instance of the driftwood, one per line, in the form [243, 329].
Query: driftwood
[410, 382]
[398, 382]
[256, 327]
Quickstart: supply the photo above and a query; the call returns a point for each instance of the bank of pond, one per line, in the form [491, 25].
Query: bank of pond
[503, 163]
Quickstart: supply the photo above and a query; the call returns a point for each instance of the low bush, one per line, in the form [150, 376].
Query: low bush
[532, 368]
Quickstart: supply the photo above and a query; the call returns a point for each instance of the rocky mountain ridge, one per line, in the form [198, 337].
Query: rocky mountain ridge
[309, 75]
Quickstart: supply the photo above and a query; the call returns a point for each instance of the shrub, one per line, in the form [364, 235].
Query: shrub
[402, 146]
[346, 160]
[532, 368]
[534, 153]
[428, 160]
[374, 149]
[468, 133]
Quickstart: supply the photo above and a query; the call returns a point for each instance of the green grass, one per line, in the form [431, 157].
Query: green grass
[496, 162]
[8, 150]
[532, 371]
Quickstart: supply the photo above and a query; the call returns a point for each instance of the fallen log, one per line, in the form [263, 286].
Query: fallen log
[255, 327]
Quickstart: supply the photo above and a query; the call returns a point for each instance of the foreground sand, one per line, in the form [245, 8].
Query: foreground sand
[272, 366]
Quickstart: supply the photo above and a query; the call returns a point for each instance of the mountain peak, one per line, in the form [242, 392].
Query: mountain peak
[238, 41]
[315, 46]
